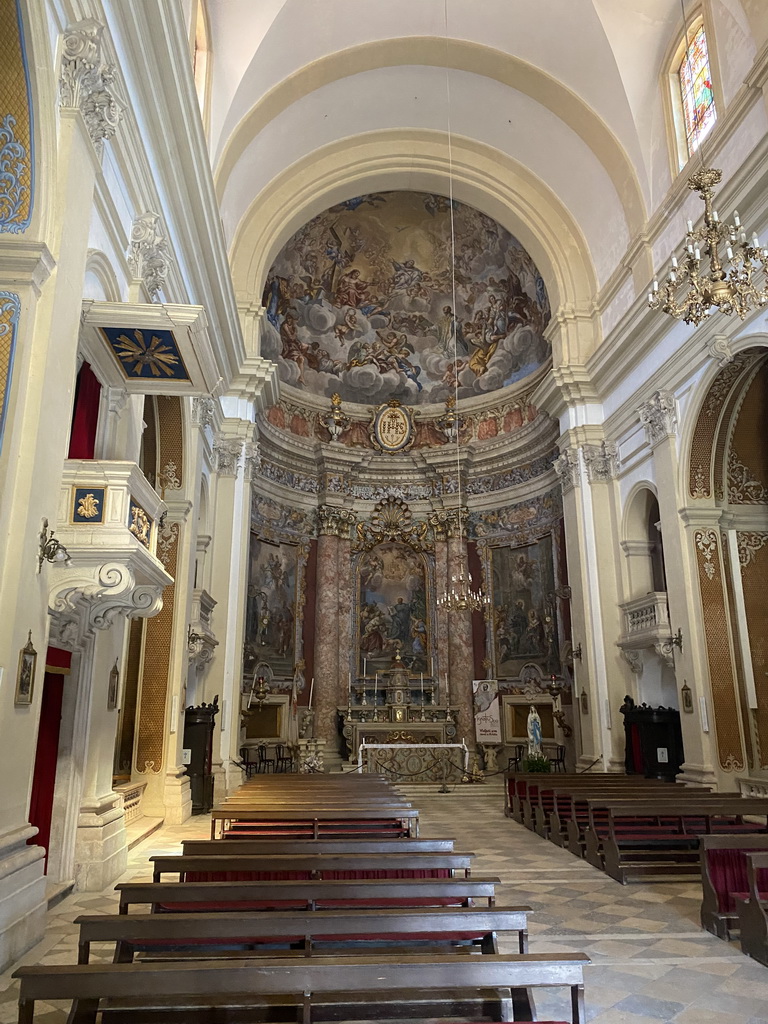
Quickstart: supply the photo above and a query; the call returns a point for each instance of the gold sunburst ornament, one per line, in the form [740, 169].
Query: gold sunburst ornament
[158, 356]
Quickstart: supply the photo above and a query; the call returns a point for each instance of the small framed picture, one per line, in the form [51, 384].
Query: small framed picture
[113, 689]
[687, 698]
[25, 681]
[584, 702]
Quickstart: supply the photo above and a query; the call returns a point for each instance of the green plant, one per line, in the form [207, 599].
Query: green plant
[536, 763]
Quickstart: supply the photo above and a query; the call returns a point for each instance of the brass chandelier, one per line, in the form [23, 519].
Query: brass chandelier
[462, 596]
[719, 268]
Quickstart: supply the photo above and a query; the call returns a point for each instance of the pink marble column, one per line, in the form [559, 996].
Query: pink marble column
[440, 641]
[460, 649]
[326, 638]
[345, 638]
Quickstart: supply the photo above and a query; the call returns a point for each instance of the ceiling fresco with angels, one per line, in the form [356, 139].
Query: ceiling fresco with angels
[361, 301]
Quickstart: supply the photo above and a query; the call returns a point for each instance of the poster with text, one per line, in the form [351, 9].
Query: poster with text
[485, 696]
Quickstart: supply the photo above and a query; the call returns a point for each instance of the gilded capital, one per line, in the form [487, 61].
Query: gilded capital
[333, 521]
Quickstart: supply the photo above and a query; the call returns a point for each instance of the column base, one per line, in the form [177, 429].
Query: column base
[177, 796]
[697, 775]
[234, 777]
[22, 894]
[590, 762]
[101, 846]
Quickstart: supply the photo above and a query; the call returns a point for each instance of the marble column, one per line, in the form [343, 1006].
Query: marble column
[460, 653]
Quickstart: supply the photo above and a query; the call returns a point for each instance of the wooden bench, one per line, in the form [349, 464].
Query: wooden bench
[183, 935]
[366, 987]
[724, 878]
[660, 837]
[239, 845]
[316, 823]
[224, 868]
[753, 911]
[371, 893]
[542, 811]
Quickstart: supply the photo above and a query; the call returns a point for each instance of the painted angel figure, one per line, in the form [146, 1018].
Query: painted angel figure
[534, 731]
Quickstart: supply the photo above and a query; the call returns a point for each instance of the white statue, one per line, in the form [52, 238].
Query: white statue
[534, 731]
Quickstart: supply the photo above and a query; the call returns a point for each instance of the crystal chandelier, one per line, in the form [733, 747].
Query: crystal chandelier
[462, 596]
[734, 278]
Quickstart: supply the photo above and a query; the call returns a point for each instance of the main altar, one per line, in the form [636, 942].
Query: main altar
[401, 710]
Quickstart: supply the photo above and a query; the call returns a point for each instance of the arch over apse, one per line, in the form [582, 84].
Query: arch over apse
[460, 55]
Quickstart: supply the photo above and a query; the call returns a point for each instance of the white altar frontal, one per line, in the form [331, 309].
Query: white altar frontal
[415, 762]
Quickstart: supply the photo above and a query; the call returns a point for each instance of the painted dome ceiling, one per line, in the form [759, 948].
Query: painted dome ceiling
[361, 301]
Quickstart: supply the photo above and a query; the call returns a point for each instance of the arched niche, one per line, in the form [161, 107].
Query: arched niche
[643, 544]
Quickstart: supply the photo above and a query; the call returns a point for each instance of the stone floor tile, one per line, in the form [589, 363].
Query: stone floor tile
[648, 1006]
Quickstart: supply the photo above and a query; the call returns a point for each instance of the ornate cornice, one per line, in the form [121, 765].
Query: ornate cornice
[601, 460]
[251, 458]
[333, 521]
[148, 255]
[659, 416]
[203, 412]
[85, 82]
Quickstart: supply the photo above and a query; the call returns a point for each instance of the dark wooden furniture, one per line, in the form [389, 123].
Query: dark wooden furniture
[266, 764]
[224, 868]
[240, 934]
[753, 911]
[315, 823]
[372, 893]
[283, 761]
[235, 845]
[198, 739]
[189, 991]
[725, 878]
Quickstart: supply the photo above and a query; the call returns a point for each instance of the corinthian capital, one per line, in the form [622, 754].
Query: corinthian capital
[659, 416]
[85, 81]
[333, 521]
[148, 255]
[227, 456]
[449, 522]
[566, 466]
[601, 460]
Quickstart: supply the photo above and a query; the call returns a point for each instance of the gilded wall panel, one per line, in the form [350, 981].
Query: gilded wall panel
[753, 556]
[10, 307]
[16, 133]
[721, 668]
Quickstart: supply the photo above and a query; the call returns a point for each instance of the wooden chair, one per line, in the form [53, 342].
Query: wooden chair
[265, 764]
[251, 767]
[283, 761]
[513, 764]
[557, 759]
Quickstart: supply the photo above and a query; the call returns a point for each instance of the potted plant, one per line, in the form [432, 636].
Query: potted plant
[536, 763]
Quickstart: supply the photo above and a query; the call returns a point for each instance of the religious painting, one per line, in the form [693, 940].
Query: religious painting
[392, 595]
[25, 679]
[271, 606]
[404, 295]
[524, 609]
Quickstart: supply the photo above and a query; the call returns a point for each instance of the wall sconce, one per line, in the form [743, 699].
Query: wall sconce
[667, 646]
[193, 639]
[50, 549]
[576, 652]
[677, 640]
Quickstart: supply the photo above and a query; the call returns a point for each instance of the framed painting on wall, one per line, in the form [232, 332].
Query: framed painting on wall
[25, 680]
[524, 609]
[270, 633]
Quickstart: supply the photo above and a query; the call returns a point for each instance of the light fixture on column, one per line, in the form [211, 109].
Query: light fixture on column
[261, 687]
[718, 270]
[461, 594]
[50, 549]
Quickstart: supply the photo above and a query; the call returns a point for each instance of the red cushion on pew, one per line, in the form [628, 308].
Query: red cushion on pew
[203, 908]
[389, 873]
[247, 876]
[195, 941]
[405, 937]
[380, 904]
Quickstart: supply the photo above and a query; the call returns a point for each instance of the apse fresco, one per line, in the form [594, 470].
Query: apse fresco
[392, 601]
[361, 301]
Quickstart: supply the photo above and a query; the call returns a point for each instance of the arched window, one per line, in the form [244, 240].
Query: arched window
[201, 58]
[693, 92]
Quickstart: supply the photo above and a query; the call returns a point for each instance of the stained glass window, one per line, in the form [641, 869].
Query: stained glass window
[695, 78]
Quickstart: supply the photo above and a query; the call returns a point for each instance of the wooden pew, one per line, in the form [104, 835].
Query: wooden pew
[368, 893]
[234, 867]
[660, 837]
[236, 934]
[316, 823]
[188, 991]
[539, 809]
[239, 845]
[753, 911]
[724, 878]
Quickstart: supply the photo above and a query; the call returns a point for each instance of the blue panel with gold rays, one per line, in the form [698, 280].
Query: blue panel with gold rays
[88, 505]
[146, 353]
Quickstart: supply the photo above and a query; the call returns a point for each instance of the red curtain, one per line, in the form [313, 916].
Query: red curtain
[85, 414]
[309, 618]
[478, 620]
[44, 779]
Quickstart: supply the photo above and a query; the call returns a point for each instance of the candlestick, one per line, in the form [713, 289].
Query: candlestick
[365, 667]
[375, 689]
[311, 690]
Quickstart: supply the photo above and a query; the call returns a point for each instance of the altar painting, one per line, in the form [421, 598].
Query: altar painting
[524, 618]
[271, 607]
[392, 602]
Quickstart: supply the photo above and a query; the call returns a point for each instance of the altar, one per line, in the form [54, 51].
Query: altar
[415, 762]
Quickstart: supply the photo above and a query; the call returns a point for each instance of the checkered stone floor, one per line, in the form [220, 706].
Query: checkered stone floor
[652, 963]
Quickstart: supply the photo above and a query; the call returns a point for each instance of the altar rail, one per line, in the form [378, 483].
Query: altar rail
[425, 762]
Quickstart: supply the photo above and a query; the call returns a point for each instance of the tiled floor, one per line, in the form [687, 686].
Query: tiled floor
[651, 961]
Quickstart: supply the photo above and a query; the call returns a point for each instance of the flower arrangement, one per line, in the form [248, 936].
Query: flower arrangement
[536, 763]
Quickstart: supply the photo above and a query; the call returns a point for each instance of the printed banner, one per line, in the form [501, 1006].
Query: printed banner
[487, 714]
